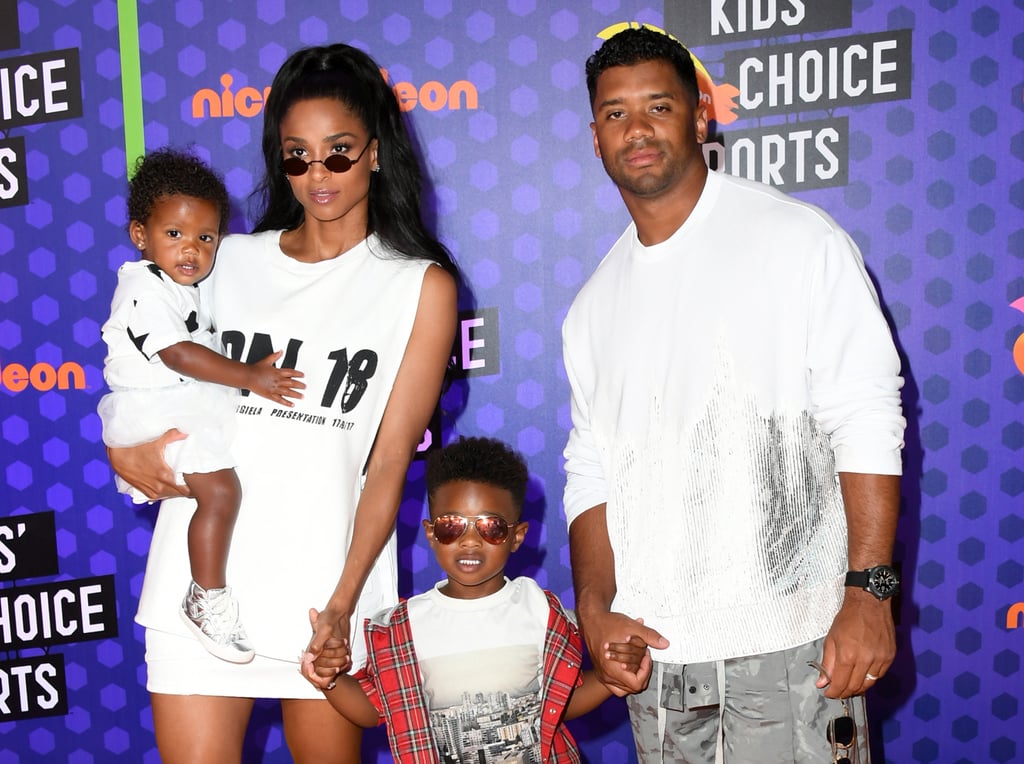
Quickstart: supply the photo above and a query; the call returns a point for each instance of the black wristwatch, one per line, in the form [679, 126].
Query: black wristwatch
[882, 581]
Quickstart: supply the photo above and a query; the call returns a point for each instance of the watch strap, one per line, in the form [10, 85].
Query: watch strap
[881, 581]
[858, 578]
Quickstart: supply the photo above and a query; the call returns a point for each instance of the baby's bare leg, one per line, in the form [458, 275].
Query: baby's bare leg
[218, 495]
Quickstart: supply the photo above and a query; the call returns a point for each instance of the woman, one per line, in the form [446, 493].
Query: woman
[338, 274]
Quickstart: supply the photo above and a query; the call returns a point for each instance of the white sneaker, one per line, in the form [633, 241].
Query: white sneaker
[212, 615]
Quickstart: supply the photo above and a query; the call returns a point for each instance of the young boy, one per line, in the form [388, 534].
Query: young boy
[479, 666]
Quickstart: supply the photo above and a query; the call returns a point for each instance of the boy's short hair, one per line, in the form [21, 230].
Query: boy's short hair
[637, 46]
[173, 172]
[478, 460]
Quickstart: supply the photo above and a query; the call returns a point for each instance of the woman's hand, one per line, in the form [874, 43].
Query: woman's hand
[145, 468]
[328, 653]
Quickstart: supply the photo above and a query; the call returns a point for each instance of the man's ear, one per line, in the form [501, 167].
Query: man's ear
[700, 117]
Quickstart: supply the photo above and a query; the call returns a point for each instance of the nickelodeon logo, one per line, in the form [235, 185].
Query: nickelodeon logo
[42, 376]
[248, 101]
[1015, 616]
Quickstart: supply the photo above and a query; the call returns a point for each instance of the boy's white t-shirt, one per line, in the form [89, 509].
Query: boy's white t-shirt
[480, 664]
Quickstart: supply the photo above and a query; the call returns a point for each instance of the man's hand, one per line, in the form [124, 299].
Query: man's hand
[633, 656]
[861, 644]
[605, 634]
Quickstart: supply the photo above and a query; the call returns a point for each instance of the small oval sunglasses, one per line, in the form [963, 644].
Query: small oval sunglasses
[336, 163]
[450, 528]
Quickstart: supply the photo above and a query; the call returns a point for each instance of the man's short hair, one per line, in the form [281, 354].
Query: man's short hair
[636, 46]
[478, 460]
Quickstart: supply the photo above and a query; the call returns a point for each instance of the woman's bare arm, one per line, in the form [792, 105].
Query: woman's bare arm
[413, 400]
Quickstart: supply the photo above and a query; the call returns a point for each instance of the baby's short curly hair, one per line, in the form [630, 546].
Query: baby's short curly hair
[478, 460]
[174, 172]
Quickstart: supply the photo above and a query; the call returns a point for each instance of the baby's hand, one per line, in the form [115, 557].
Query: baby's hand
[275, 384]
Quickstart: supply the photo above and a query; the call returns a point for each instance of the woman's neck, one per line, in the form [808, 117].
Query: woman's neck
[314, 241]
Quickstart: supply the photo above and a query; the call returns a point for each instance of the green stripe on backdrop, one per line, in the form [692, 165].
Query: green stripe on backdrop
[131, 81]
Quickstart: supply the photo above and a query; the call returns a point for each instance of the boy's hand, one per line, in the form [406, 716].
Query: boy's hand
[272, 383]
[629, 654]
[634, 657]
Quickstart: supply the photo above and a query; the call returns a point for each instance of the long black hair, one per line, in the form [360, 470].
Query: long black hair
[350, 76]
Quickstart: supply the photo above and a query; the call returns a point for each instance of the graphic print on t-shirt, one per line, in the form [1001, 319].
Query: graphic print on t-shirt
[485, 704]
[337, 380]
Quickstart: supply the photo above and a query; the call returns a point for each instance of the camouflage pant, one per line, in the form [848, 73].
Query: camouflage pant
[773, 712]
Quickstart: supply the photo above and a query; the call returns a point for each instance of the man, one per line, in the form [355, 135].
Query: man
[736, 442]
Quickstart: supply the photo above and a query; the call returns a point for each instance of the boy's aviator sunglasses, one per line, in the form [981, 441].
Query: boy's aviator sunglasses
[336, 163]
[450, 528]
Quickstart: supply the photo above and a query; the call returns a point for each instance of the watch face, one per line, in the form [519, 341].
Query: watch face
[883, 582]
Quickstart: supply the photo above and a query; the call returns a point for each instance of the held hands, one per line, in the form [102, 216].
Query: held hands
[860, 646]
[275, 384]
[632, 656]
[618, 647]
[328, 653]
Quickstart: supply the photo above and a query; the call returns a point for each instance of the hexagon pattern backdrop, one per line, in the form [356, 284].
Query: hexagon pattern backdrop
[933, 195]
